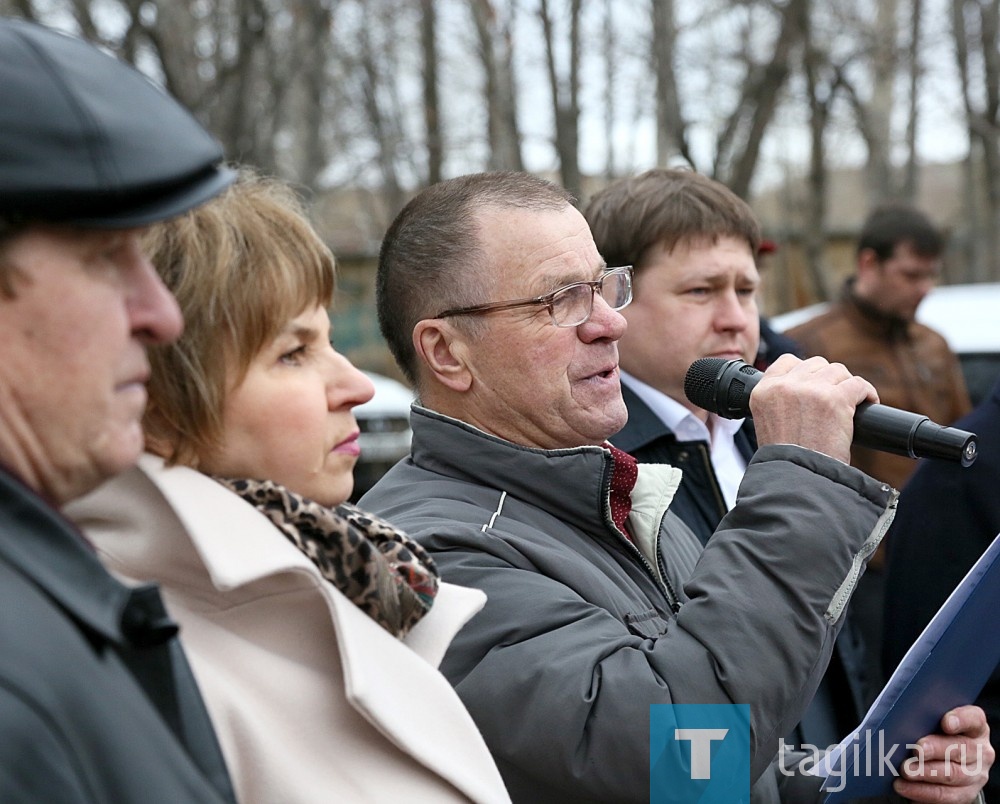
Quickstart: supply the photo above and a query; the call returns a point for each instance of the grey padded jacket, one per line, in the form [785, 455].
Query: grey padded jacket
[582, 632]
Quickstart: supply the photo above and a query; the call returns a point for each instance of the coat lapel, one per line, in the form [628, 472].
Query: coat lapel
[417, 710]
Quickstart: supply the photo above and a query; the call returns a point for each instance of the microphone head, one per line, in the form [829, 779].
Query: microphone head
[721, 386]
[701, 380]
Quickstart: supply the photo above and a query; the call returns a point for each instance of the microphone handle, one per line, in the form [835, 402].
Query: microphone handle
[876, 428]
[884, 428]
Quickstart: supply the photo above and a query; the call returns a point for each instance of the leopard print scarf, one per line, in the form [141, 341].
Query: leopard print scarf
[383, 571]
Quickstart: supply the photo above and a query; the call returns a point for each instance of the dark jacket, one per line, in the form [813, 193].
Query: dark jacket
[97, 703]
[840, 701]
[948, 515]
[581, 633]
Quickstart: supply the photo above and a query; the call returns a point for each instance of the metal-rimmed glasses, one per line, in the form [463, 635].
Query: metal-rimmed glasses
[570, 305]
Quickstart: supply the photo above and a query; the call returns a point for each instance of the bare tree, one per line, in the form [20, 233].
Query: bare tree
[432, 102]
[244, 68]
[495, 53]
[878, 112]
[317, 23]
[20, 8]
[380, 117]
[565, 94]
[671, 131]
[187, 71]
[611, 72]
[510, 135]
[362, 92]
[822, 82]
[910, 170]
[739, 143]
[242, 130]
[81, 12]
[873, 113]
[977, 23]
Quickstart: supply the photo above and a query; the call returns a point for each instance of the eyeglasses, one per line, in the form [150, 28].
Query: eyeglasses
[570, 305]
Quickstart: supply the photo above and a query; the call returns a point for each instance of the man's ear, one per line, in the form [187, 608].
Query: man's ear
[868, 260]
[869, 270]
[444, 352]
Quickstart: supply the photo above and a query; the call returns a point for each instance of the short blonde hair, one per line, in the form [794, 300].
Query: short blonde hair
[241, 266]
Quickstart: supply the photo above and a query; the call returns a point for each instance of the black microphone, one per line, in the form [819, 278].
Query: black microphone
[723, 387]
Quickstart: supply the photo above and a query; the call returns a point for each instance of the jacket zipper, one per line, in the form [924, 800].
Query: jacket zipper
[843, 594]
[672, 598]
[661, 581]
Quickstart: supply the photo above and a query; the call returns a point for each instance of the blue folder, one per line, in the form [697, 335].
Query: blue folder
[947, 666]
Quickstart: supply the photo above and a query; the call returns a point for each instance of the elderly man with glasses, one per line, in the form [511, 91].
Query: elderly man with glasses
[500, 310]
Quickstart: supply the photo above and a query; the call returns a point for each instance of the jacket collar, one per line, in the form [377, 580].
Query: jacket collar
[234, 541]
[257, 550]
[230, 541]
[580, 476]
[869, 319]
[47, 549]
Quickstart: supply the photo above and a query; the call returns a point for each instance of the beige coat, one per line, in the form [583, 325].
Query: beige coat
[312, 701]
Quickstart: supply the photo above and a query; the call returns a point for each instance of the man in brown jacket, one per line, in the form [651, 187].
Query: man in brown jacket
[872, 330]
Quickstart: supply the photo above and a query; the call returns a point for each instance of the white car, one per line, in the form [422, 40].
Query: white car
[385, 431]
[968, 316]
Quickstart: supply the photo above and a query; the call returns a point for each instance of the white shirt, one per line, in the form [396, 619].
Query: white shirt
[719, 434]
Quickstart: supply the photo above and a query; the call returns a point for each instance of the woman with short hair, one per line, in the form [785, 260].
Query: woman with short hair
[314, 629]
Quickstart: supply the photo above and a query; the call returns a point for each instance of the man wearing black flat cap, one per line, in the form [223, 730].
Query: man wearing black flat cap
[97, 702]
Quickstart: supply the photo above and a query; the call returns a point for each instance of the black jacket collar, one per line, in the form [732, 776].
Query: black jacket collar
[48, 550]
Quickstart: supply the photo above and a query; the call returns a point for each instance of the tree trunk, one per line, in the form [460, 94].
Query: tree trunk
[313, 155]
[610, 64]
[879, 111]
[432, 103]
[735, 166]
[671, 134]
[381, 126]
[503, 138]
[820, 100]
[565, 96]
[982, 125]
[911, 174]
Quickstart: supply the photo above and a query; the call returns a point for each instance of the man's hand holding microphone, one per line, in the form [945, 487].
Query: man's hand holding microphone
[820, 406]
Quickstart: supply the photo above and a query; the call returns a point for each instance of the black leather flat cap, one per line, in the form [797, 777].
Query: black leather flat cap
[87, 140]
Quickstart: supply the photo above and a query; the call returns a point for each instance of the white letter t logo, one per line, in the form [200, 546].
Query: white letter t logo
[701, 749]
